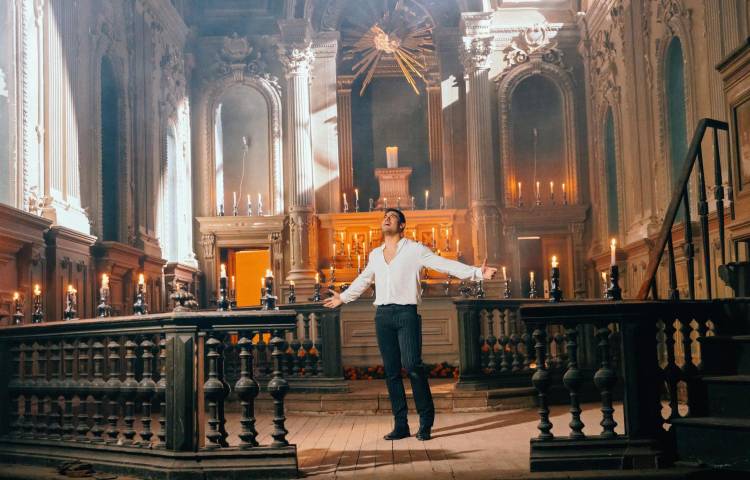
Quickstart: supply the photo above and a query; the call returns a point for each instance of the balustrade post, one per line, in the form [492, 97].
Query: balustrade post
[112, 390]
[98, 391]
[68, 389]
[14, 419]
[331, 335]
[161, 387]
[129, 391]
[296, 345]
[573, 380]
[181, 399]
[307, 344]
[40, 421]
[214, 393]
[247, 390]
[146, 390]
[541, 382]
[491, 340]
[6, 375]
[29, 385]
[278, 387]
[605, 379]
[469, 348]
[83, 389]
[53, 387]
[318, 345]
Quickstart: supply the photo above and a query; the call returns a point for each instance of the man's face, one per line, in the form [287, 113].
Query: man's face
[390, 223]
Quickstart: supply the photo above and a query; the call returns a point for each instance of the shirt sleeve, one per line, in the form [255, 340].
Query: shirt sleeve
[360, 284]
[460, 270]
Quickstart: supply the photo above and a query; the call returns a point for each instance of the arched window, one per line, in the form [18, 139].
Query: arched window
[610, 167]
[676, 111]
[242, 166]
[110, 153]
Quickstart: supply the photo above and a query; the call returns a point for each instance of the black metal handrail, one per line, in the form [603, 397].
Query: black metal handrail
[680, 197]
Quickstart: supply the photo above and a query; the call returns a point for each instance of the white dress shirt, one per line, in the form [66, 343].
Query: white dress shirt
[398, 282]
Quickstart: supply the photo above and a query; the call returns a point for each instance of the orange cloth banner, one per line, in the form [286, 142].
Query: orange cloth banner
[250, 266]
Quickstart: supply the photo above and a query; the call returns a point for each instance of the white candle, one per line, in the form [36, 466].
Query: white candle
[426, 199]
[359, 265]
[554, 261]
[537, 189]
[223, 269]
[317, 278]
[260, 204]
[604, 277]
[141, 280]
[391, 156]
[519, 190]
[349, 249]
[457, 245]
[269, 273]
[234, 199]
[37, 290]
[105, 281]
[505, 274]
[232, 282]
[15, 296]
[291, 283]
[333, 249]
[345, 202]
[262, 283]
[356, 194]
[551, 188]
[612, 252]
[531, 277]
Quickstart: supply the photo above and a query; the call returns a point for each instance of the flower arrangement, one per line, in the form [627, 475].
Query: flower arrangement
[439, 370]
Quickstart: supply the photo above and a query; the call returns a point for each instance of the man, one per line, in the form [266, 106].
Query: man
[395, 266]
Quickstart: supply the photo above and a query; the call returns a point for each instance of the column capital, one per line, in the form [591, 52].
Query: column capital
[475, 53]
[297, 58]
[344, 84]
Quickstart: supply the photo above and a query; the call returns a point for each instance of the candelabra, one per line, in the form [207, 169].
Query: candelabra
[346, 207]
[184, 301]
[605, 286]
[463, 289]
[614, 292]
[555, 293]
[532, 288]
[506, 293]
[479, 289]
[269, 299]
[223, 302]
[447, 286]
[292, 295]
[37, 316]
[18, 315]
[139, 306]
[70, 306]
[332, 281]
[104, 309]
[316, 293]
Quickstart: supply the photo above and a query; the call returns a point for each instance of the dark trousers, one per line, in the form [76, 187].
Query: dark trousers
[399, 332]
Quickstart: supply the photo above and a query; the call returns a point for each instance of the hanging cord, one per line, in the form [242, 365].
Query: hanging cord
[244, 155]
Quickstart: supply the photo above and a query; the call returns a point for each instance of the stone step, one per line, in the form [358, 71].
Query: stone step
[727, 395]
[376, 401]
[719, 442]
[726, 354]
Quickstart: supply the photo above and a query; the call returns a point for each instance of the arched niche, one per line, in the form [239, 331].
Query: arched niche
[257, 101]
[242, 148]
[539, 96]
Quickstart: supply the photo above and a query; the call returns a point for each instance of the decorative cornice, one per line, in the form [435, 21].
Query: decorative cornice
[531, 42]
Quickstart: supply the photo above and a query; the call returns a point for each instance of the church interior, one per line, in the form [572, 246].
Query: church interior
[160, 158]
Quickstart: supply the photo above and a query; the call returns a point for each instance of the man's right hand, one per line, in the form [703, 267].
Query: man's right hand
[333, 301]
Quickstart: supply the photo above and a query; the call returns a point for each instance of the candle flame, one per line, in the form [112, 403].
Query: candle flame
[71, 289]
[37, 290]
[317, 278]
[291, 283]
[554, 261]
[15, 295]
[613, 243]
[269, 273]
[141, 279]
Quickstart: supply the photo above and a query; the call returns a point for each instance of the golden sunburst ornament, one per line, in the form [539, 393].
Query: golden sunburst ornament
[399, 32]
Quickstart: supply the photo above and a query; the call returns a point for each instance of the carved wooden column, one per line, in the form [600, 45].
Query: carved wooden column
[435, 135]
[477, 46]
[344, 111]
[297, 57]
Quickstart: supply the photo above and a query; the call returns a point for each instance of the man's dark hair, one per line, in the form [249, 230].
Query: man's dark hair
[401, 216]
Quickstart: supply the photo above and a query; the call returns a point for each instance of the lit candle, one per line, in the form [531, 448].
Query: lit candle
[433, 233]
[223, 271]
[72, 290]
[105, 281]
[16, 295]
[604, 277]
[537, 190]
[269, 273]
[262, 283]
[232, 282]
[317, 278]
[356, 194]
[370, 236]
[564, 194]
[333, 245]
[612, 252]
[234, 200]
[458, 242]
[505, 274]
[141, 280]
[37, 290]
[551, 189]
[349, 249]
[426, 199]
[341, 235]
[260, 204]
[531, 277]
[291, 283]
[554, 261]
[345, 202]
[519, 190]
[359, 265]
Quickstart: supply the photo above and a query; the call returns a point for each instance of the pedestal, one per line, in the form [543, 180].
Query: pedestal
[394, 184]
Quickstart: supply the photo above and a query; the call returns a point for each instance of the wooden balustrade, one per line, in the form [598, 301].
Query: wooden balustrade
[651, 349]
[311, 352]
[495, 347]
[127, 394]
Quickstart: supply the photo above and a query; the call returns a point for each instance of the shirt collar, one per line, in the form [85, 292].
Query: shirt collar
[399, 245]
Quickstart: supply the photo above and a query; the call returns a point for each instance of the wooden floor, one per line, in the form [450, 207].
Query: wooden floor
[464, 445]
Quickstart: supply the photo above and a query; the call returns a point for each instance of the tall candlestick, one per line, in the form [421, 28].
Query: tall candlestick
[317, 278]
[532, 286]
[260, 205]
[37, 316]
[426, 199]
[552, 192]
[538, 194]
[249, 206]
[555, 292]
[356, 200]
[613, 252]
[234, 203]
[520, 195]
[564, 194]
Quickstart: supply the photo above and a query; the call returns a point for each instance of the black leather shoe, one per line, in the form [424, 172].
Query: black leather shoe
[397, 434]
[424, 434]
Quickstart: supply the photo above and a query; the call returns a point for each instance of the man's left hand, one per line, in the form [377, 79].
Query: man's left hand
[488, 273]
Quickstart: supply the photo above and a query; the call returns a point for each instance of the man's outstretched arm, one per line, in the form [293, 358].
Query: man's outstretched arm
[459, 270]
[357, 288]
